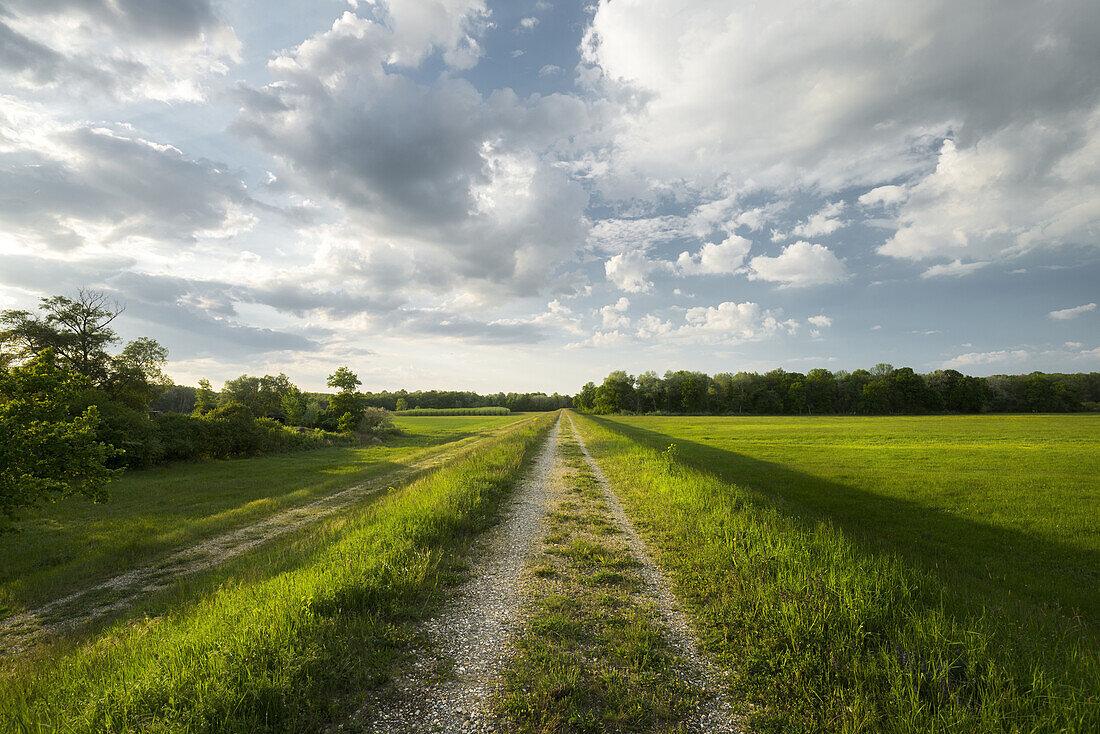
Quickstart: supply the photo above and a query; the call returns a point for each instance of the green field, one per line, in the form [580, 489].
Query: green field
[934, 571]
[288, 636]
[156, 511]
[843, 574]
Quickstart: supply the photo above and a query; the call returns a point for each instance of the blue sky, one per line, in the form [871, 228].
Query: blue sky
[527, 195]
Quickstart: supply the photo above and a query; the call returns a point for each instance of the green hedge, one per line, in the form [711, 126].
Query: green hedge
[226, 433]
[454, 411]
[231, 434]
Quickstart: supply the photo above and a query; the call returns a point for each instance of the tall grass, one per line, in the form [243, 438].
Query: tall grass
[822, 634]
[454, 411]
[287, 650]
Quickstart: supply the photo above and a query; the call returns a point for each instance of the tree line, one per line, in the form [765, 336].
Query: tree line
[275, 398]
[882, 390]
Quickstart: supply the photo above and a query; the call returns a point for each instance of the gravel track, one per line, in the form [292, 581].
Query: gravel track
[714, 714]
[20, 631]
[447, 689]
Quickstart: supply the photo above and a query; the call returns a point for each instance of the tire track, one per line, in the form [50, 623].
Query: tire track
[447, 689]
[714, 714]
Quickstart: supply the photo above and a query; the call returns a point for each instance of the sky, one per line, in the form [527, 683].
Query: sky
[524, 196]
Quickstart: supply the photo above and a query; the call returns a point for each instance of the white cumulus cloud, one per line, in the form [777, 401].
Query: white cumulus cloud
[800, 264]
[956, 269]
[1072, 313]
[724, 258]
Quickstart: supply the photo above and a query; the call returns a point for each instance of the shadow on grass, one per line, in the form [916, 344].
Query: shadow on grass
[979, 559]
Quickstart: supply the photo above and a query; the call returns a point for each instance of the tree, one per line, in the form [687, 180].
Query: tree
[136, 376]
[205, 398]
[77, 329]
[402, 404]
[344, 380]
[295, 405]
[693, 391]
[345, 409]
[45, 451]
[79, 332]
[821, 391]
[616, 393]
[262, 395]
[650, 392]
[586, 398]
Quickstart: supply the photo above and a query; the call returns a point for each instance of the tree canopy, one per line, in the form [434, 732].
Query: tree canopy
[45, 451]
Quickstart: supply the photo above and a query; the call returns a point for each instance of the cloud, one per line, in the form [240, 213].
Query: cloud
[527, 24]
[823, 222]
[978, 133]
[724, 258]
[462, 183]
[884, 196]
[955, 269]
[550, 70]
[820, 321]
[630, 271]
[613, 316]
[1071, 313]
[67, 186]
[800, 264]
[726, 323]
[129, 50]
[1025, 187]
[734, 322]
[1001, 356]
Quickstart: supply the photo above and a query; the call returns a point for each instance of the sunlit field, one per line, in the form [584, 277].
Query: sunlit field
[155, 511]
[924, 571]
[287, 636]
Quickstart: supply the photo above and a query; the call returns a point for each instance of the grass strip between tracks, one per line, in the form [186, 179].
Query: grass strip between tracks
[822, 635]
[592, 655]
[289, 650]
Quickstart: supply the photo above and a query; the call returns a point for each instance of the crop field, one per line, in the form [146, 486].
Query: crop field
[560, 572]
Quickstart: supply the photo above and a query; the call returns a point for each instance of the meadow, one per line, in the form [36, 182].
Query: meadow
[286, 637]
[902, 574]
[153, 512]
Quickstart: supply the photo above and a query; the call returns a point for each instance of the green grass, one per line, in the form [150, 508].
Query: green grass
[880, 574]
[153, 512]
[287, 639]
[591, 656]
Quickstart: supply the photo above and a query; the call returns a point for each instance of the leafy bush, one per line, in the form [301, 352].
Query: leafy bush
[231, 432]
[376, 422]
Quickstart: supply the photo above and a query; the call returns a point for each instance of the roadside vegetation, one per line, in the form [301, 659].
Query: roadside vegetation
[592, 655]
[288, 638]
[856, 576]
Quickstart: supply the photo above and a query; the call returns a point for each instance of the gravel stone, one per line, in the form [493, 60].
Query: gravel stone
[469, 639]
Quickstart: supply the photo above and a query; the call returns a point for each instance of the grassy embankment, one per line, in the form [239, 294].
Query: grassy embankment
[880, 574]
[152, 512]
[591, 656]
[287, 638]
